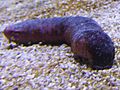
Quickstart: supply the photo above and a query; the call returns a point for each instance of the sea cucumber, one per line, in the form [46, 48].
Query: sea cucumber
[83, 34]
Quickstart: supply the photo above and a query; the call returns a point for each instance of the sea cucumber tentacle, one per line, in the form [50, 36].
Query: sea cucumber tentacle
[84, 35]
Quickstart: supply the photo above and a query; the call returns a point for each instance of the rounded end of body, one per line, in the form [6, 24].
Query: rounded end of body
[96, 47]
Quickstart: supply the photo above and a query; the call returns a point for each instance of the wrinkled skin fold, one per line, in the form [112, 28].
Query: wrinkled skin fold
[84, 35]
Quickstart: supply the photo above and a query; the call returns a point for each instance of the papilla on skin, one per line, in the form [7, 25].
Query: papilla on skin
[84, 35]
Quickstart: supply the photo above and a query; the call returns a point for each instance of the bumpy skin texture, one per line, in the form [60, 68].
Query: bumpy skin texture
[84, 35]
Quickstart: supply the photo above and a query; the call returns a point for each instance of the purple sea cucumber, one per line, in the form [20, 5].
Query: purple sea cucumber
[84, 35]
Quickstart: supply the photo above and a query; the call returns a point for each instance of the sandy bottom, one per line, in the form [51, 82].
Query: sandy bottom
[46, 67]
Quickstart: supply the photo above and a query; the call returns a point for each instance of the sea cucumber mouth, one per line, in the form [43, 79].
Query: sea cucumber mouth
[12, 35]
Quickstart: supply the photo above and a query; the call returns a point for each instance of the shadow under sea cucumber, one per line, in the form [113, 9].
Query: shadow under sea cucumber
[84, 35]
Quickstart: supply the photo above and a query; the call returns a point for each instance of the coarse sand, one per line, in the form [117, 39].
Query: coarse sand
[47, 67]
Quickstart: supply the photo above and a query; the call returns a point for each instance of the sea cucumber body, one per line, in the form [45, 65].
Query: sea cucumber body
[36, 30]
[83, 34]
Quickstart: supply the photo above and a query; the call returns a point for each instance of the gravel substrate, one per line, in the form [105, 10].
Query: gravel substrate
[46, 67]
